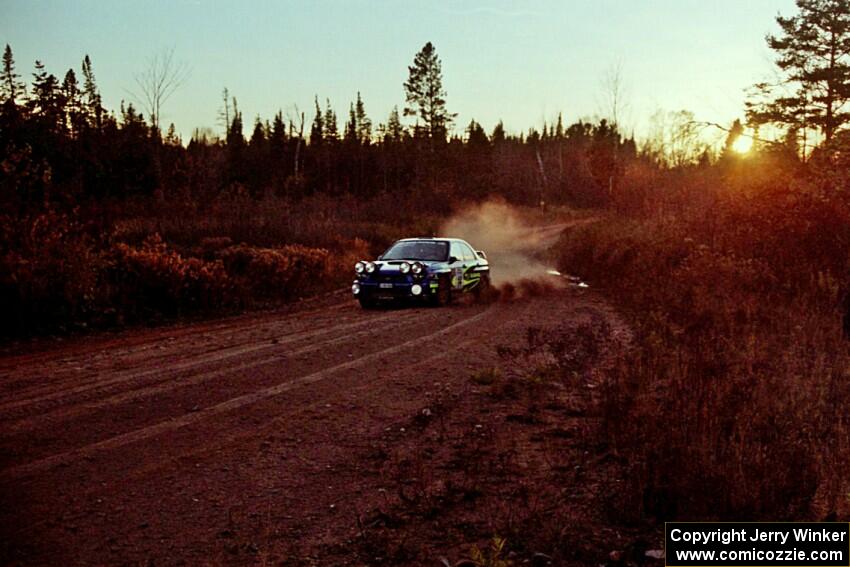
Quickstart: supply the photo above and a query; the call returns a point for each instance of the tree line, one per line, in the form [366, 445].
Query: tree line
[60, 144]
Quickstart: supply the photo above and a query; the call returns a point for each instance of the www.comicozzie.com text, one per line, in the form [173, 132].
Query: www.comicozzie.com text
[781, 536]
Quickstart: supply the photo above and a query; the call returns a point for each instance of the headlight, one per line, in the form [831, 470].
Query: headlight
[355, 288]
[404, 268]
[370, 267]
[417, 268]
[416, 289]
[359, 267]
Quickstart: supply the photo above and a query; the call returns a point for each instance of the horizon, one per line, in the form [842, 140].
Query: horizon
[520, 66]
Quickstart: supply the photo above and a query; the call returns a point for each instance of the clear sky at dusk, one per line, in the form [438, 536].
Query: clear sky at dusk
[522, 62]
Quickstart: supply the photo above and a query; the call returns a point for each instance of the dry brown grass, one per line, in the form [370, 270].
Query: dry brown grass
[733, 405]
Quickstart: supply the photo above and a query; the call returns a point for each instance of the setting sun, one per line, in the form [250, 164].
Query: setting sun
[743, 144]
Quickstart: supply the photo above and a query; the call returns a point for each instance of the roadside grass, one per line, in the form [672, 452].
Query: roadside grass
[732, 405]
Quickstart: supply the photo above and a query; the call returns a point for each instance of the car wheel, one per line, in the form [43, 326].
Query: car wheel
[444, 293]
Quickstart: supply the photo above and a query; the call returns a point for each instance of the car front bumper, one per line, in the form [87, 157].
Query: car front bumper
[394, 290]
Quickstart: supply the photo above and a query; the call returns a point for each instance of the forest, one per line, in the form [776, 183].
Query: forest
[732, 266]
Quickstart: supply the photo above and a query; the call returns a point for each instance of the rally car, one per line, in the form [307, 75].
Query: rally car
[433, 270]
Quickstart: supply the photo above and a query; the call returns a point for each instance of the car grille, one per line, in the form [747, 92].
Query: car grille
[384, 278]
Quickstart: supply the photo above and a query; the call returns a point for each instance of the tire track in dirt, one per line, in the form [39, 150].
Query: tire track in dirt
[237, 438]
[50, 393]
[19, 471]
[169, 381]
[44, 437]
[149, 353]
[42, 352]
[232, 439]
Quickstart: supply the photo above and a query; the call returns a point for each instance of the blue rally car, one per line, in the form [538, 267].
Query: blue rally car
[424, 269]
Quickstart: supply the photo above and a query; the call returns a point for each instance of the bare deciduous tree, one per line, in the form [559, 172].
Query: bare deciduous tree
[675, 139]
[615, 92]
[158, 81]
[296, 116]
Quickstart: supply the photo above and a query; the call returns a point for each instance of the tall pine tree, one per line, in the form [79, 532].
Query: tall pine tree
[10, 87]
[317, 130]
[91, 96]
[394, 129]
[426, 98]
[364, 125]
[331, 129]
[813, 52]
[46, 103]
[350, 135]
[75, 119]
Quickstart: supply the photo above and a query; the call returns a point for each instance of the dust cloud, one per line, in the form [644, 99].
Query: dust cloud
[513, 245]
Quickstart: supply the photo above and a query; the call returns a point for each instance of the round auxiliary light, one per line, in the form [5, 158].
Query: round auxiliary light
[370, 267]
[416, 268]
[359, 267]
[404, 268]
[355, 288]
[416, 289]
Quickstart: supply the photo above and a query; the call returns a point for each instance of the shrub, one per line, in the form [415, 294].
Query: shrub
[276, 273]
[155, 279]
[55, 274]
[49, 272]
[214, 244]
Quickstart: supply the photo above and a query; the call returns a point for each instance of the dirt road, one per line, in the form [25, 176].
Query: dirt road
[256, 438]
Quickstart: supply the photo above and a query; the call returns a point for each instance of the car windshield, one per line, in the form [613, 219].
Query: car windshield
[431, 251]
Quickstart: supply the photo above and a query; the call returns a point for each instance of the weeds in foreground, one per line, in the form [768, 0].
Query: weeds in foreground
[490, 556]
[565, 354]
[486, 376]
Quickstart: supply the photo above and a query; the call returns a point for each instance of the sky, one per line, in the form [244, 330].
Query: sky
[520, 62]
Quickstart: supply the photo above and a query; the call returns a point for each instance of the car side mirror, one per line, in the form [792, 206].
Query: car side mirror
[482, 254]
[452, 259]
[380, 257]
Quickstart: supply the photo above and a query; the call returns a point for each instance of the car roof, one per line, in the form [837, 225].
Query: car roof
[434, 238]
